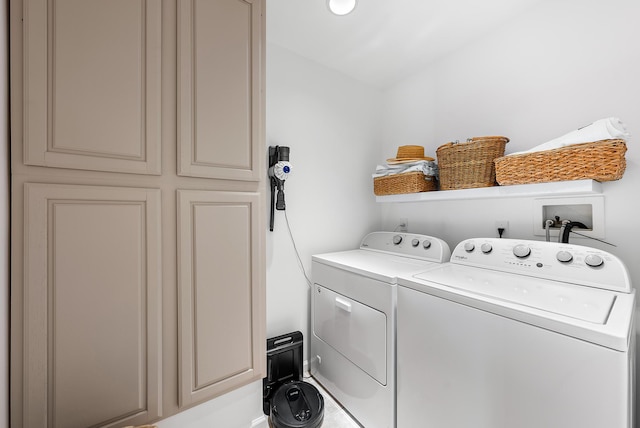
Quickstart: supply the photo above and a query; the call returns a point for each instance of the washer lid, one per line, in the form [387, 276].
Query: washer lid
[602, 317]
[582, 303]
[380, 266]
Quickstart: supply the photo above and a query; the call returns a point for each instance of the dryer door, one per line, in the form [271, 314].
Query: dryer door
[355, 330]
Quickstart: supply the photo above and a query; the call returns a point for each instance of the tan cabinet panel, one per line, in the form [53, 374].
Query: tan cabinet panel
[92, 84]
[99, 89]
[221, 336]
[220, 88]
[92, 306]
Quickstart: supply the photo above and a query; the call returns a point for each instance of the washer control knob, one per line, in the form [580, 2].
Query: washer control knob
[564, 256]
[521, 251]
[469, 246]
[397, 239]
[486, 248]
[594, 260]
[415, 242]
[426, 244]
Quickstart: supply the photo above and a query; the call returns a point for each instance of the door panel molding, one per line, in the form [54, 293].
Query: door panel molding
[220, 101]
[91, 95]
[92, 308]
[220, 293]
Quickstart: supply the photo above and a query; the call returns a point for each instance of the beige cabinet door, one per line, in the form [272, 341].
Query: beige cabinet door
[220, 84]
[221, 292]
[92, 84]
[92, 305]
[97, 337]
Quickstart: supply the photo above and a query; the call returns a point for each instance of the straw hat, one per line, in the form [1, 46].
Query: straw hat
[409, 154]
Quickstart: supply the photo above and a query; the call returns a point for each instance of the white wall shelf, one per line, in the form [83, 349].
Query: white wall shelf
[561, 188]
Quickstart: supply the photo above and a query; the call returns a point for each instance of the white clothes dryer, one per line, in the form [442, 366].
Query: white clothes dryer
[353, 352]
[515, 333]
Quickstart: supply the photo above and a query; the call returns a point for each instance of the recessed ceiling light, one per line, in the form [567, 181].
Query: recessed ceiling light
[341, 7]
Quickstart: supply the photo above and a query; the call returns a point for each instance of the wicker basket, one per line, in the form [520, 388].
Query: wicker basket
[410, 182]
[469, 165]
[600, 160]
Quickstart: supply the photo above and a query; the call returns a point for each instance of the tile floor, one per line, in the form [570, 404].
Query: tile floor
[334, 414]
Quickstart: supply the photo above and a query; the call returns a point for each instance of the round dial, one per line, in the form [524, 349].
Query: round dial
[415, 242]
[564, 256]
[426, 244]
[594, 260]
[397, 239]
[469, 247]
[486, 248]
[521, 251]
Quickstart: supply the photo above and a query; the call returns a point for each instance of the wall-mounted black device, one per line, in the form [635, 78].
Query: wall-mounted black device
[279, 170]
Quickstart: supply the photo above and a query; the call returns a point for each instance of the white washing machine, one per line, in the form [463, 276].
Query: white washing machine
[353, 351]
[520, 334]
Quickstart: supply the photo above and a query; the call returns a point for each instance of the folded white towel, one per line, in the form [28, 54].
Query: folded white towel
[603, 129]
[426, 167]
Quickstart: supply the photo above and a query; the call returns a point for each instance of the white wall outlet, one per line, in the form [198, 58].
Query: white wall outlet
[504, 225]
[404, 225]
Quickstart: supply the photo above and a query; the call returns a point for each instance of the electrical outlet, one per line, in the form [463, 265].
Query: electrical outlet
[404, 225]
[502, 224]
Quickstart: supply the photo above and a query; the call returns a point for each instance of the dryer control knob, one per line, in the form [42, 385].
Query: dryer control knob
[486, 248]
[521, 251]
[593, 260]
[469, 247]
[415, 242]
[426, 244]
[564, 256]
[397, 239]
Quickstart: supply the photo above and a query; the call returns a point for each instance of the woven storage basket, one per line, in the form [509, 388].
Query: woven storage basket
[469, 165]
[600, 160]
[410, 182]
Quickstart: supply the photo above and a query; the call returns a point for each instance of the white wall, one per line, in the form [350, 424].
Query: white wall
[562, 65]
[333, 126]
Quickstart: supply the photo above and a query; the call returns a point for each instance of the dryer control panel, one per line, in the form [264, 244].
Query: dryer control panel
[575, 264]
[422, 247]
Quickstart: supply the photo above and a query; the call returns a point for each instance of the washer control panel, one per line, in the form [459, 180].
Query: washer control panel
[412, 245]
[569, 263]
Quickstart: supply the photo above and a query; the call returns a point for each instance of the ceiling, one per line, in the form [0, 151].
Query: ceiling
[383, 41]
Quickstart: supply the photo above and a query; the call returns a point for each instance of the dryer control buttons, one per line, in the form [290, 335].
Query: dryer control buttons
[397, 239]
[486, 248]
[426, 244]
[469, 247]
[564, 256]
[415, 242]
[594, 260]
[521, 251]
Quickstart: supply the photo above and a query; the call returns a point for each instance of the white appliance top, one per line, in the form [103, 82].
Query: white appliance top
[574, 264]
[575, 290]
[386, 255]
